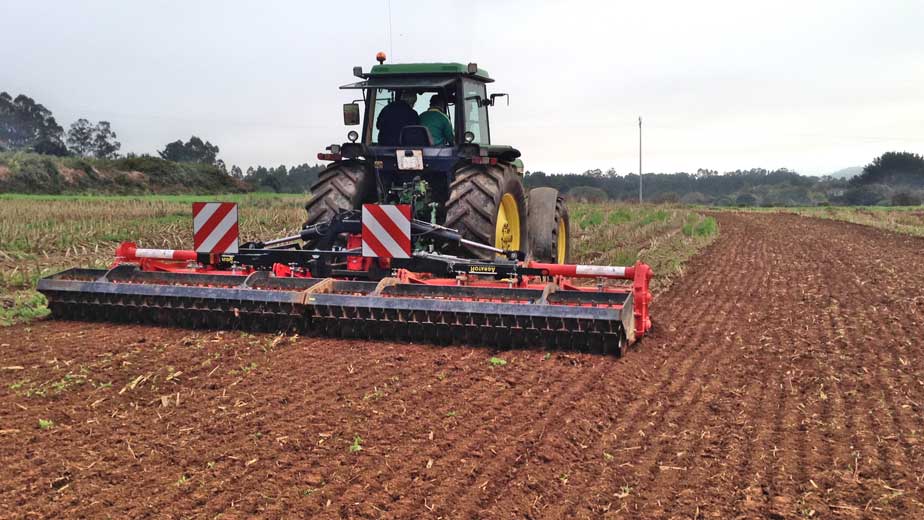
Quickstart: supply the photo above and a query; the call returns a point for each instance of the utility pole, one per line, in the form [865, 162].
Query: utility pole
[639, 159]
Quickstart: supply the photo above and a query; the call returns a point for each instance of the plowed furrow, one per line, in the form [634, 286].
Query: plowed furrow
[406, 463]
[783, 379]
[488, 483]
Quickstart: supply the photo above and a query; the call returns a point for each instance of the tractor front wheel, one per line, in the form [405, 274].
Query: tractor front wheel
[549, 231]
[487, 204]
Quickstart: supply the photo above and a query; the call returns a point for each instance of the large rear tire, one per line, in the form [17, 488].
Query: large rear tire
[340, 187]
[487, 204]
[549, 226]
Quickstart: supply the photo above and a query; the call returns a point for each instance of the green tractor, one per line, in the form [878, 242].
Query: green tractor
[425, 141]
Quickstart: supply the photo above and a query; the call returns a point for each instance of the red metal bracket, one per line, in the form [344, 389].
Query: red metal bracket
[642, 297]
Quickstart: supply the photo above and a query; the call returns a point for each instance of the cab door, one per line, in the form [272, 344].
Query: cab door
[473, 113]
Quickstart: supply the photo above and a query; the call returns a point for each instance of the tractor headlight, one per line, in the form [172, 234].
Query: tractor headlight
[468, 136]
[352, 136]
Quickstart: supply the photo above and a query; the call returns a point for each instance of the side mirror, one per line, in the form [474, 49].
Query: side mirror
[481, 102]
[495, 96]
[351, 114]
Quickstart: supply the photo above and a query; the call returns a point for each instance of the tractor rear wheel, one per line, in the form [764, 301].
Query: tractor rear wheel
[548, 224]
[340, 187]
[487, 204]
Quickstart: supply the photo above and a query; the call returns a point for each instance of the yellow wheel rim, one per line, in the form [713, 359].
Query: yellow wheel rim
[562, 241]
[507, 229]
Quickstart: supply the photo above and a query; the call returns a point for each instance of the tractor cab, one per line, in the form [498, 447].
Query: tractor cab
[423, 139]
[436, 92]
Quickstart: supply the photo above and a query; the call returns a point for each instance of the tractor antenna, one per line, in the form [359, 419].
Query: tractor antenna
[391, 49]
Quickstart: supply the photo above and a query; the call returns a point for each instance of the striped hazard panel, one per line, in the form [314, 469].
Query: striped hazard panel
[387, 231]
[215, 227]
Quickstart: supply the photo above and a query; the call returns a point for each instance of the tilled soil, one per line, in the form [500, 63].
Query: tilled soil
[784, 379]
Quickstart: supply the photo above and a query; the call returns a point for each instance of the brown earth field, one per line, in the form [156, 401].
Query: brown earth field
[784, 379]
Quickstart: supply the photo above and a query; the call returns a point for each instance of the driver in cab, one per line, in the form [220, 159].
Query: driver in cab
[398, 114]
[437, 122]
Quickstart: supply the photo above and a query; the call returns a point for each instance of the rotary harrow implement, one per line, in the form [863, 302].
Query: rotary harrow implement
[365, 275]
[419, 229]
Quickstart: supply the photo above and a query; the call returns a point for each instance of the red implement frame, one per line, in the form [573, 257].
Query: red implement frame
[184, 261]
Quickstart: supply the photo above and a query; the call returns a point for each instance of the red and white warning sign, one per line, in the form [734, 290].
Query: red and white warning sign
[215, 227]
[387, 231]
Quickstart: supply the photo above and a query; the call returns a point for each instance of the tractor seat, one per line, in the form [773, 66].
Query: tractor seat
[415, 135]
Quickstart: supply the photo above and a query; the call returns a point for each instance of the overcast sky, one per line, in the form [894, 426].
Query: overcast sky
[814, 86]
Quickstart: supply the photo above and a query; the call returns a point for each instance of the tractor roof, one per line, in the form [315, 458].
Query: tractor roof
[416, 75]
[420, 69]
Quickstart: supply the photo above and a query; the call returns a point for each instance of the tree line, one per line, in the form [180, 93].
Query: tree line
[705, 186]
[895, 178]
[26, 125]
[896, 168]
[892, 178]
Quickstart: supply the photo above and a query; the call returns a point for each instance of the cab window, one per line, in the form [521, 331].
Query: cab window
[383, 97]
[476, 115]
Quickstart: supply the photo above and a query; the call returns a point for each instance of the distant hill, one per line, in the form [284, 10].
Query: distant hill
[847, 173]
[24, 172]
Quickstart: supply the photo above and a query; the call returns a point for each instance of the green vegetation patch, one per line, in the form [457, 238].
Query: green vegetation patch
[663, 236]
[28, 172]
[619, 216]
[703, 227]
[21, 306]
[68, 381]
[590, 218]
[657, 215]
